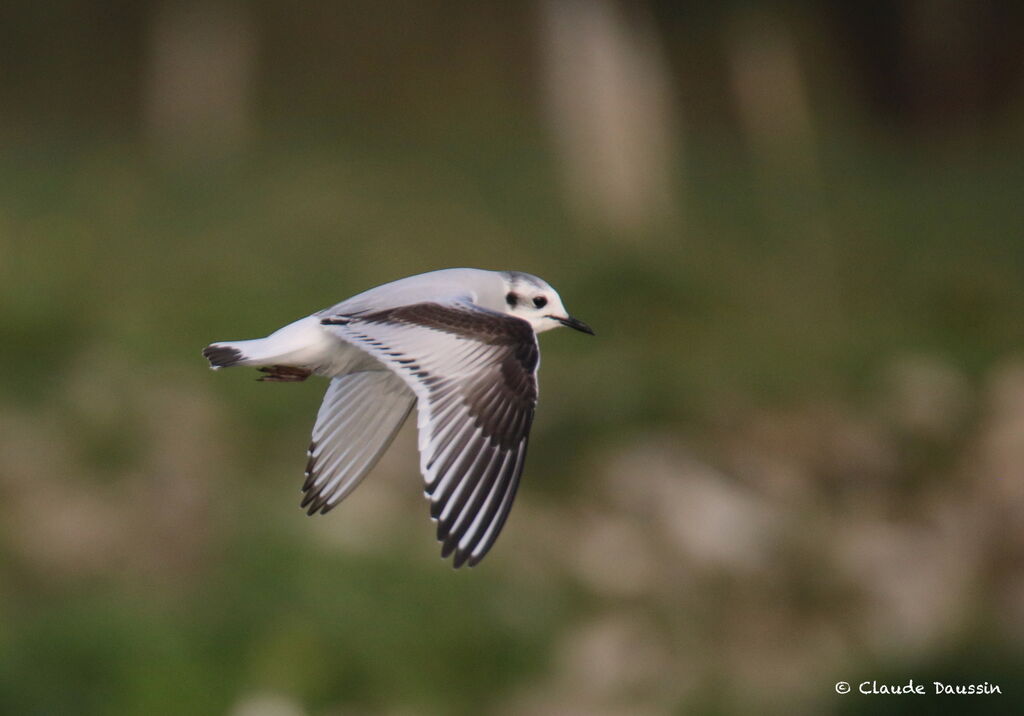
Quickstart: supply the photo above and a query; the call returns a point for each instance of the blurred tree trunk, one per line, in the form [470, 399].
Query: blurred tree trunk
[772, 101]
[770, 90]
[198, 91]
[608, 104]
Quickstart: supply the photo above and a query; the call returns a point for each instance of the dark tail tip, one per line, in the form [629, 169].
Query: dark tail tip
[222, 356]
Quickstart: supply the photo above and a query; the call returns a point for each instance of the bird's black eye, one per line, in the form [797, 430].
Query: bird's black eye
[511, 298]
[540, 302]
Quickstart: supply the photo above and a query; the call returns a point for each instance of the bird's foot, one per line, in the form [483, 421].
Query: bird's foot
[283, 374]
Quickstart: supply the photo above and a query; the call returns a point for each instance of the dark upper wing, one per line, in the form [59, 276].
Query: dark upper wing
[474, 372]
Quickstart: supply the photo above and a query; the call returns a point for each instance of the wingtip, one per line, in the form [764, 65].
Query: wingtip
[460, 559]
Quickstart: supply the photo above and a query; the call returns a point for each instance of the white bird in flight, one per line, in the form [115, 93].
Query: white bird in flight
[460, 344]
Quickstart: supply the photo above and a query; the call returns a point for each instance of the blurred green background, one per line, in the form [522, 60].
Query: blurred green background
[793, 454]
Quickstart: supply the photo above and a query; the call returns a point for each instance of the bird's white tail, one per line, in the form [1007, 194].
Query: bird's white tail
[225, 355]
[299, 344]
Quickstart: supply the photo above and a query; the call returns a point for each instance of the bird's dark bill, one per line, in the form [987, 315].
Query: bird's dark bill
[575, 323]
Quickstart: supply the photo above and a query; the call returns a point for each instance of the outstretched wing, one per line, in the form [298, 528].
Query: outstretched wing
[358, 419]
[474, 372]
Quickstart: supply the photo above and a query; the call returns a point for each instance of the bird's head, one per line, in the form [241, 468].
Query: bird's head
[533, 300]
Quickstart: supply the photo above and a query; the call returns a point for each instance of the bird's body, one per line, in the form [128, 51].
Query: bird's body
[459, 342]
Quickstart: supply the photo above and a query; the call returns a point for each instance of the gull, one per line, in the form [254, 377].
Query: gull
[460, 344]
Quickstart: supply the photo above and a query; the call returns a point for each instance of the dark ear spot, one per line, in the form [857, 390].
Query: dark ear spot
[511, 298]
